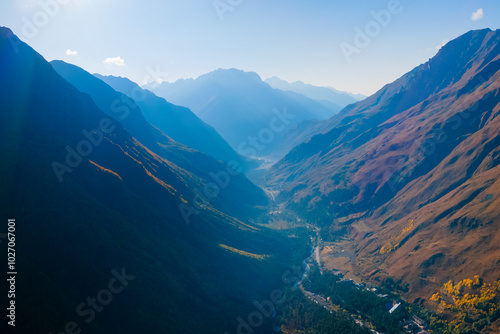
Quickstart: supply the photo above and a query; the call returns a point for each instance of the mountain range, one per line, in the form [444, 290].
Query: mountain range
[94, 205]
[246, 111]
[128, 113]
[149, 186]
[410, 174]
[327, 96]
[179, 123]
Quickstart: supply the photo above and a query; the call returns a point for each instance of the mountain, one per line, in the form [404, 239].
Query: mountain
[246, 111]
[102, 245]
[130, 116]
[357, 97]
[411, 174]
[179, 123]
[326, 95]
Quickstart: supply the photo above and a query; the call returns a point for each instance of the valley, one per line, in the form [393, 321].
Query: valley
[232, 203]
[314, 267]
[327, 260]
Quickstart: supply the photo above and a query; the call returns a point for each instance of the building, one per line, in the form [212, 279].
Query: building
[394, 308]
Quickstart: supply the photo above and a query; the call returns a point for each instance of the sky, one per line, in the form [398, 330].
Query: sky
[355, 46]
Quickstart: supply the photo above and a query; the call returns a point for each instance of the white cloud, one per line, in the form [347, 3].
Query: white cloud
[477, 15]
[118, 61]
[70, 52]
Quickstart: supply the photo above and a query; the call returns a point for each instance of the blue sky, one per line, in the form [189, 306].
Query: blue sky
[292, 39]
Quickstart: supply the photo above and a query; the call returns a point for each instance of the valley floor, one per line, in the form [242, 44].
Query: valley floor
[329, 258]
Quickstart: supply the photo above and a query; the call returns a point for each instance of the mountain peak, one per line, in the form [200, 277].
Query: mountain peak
[471, 41]
[5, 32]
[232, 75]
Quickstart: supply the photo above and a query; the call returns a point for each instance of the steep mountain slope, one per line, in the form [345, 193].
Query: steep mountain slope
[110, 218]
[179, 123]
[128, 113]
[246, 111]
[325, 95]
[412, 171]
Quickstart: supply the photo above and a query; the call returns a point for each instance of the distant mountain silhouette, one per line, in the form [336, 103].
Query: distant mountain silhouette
[357, 97]
[326, 95]
[179, 123]
[97, 210]
[411, 174]
[240, 106]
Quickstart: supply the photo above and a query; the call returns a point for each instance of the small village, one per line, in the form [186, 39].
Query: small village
[412, 325]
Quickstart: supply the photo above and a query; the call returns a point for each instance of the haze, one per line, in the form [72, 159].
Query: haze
[293, 40]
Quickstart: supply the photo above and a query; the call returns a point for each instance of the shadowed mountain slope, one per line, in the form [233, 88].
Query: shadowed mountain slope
[179, 123]
[203, 166]
[92, 206]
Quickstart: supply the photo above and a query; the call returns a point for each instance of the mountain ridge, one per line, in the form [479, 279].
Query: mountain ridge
[409, 167]
[239, 105]
[200, 165]
[321, 94]
[116, 211]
